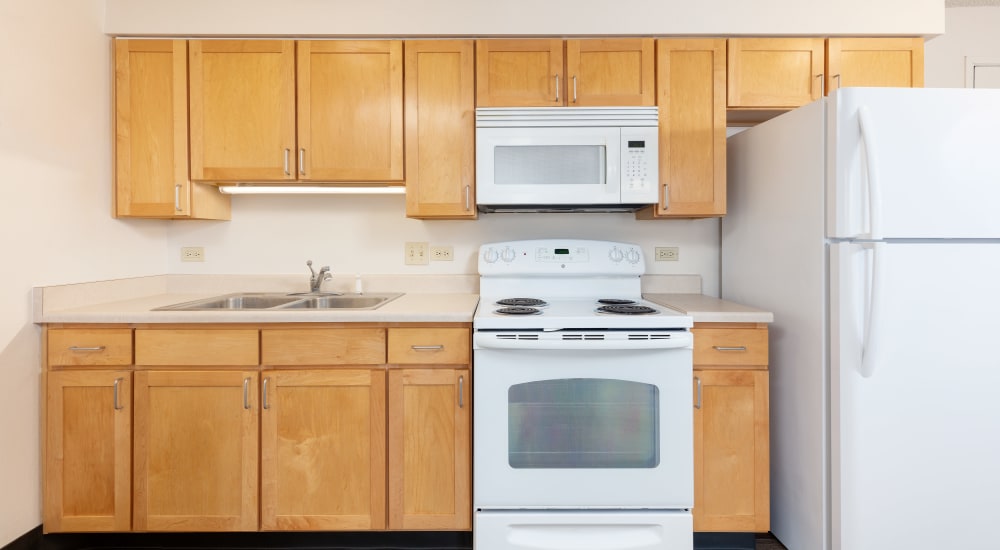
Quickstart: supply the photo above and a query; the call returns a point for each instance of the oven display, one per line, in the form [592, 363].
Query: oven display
[562, 255]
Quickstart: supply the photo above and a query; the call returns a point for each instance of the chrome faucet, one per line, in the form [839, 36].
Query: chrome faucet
[316, 279]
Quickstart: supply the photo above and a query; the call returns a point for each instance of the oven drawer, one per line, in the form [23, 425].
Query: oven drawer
[730, 346]
[429, 346]
[605, 529]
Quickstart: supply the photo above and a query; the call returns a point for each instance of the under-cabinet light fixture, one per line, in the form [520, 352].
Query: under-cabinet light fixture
[312, 190]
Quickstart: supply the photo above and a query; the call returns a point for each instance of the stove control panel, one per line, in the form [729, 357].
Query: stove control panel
[569, 256]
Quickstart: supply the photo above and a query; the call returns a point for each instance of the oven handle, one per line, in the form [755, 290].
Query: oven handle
[528, 341]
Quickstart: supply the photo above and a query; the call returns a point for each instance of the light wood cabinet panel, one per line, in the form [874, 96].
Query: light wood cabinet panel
[440, 129]
[892, 62]
[614, 71]
[691, 91]
[88, 451]
[196, 451]
[323, 346]
[775, 72]
[429, 449]
[421, 346]
[350, 110]
[76, 347]
[731, 447]
[196, 347]
[519, 73]
[323, 463]
[242, 95]
[151, 135]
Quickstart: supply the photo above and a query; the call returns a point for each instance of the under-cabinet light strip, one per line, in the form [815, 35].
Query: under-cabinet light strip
[310, 190]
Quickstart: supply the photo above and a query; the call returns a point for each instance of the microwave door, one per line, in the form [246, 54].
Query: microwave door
[548, 166]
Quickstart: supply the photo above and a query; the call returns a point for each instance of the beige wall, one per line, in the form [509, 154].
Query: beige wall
[970, 32]
[55, 149]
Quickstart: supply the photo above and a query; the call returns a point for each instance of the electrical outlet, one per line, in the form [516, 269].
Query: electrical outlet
[667, 253]
[442, 253]
[415, 254]
[192, 254]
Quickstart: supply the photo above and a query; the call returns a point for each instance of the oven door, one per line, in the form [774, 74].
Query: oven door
[583, 428]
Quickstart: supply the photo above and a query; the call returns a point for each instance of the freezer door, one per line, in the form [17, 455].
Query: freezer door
[913, 163]
[915, 396]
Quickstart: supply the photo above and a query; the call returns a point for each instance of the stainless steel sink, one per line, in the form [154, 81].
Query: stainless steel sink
[274, 302]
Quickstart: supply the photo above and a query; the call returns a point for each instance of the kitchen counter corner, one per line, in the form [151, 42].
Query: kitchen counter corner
[708, 309]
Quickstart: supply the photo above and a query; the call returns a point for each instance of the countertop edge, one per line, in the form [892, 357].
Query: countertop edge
[708, 309]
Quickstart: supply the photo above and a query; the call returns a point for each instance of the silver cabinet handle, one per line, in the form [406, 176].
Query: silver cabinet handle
[666, 196]
[118, 382]
[302, 161]
[557, 88]
[729, 348]
[263, 401]
[468, 204]
[461, 392]
[822, 84]
[87, 348]
[287, 173]
[837, 76]
[574, 88]
[697, 382]
[246, 393]
[436, 347]
[177, 197]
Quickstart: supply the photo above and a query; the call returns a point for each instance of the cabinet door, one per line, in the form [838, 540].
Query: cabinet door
[691, 91]
[195, 451]
[731, 456]
[440, 129]
[242, 110]
[610, 72]
[350, 110]
[323, 450]
[776, 73]
[88, 440]
[151, 134]
[520, 73]
[892, 62]
[430, 481]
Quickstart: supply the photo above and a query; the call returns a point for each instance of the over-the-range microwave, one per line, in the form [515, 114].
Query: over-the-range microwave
[566, 159]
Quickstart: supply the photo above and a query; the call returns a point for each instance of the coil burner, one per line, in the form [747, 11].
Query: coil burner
[627, 309]
[528, 302]
[518, 310]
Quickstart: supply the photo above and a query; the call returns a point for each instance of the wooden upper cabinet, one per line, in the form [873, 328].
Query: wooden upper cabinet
[775, 73]
[151, 135]
[88, 451]
[691, 91]
[893, 62]
[440, 129]
[610, 72]
[323, 454]
[593, 72]
[242, 110]
[350, 110]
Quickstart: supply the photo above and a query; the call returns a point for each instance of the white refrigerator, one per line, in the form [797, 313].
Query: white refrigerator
[869, 223]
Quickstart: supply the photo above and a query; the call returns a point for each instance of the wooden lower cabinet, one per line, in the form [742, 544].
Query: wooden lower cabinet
[88, 444]
[430, 435]
[323, 464]
[195, 457]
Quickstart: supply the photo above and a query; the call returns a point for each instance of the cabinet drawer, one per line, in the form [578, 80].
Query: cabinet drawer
[89, 346]
[196, 347]
[439, 346]
[730, 346]
[323, 346]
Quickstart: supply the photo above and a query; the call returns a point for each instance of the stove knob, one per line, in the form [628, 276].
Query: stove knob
[490, 255]
[507, 255]
[616, 255]
[632, 256]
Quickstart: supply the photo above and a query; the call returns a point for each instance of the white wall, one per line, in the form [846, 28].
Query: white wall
[55, 150]
[970, 32]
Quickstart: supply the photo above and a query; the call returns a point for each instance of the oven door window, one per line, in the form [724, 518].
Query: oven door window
[583, 423]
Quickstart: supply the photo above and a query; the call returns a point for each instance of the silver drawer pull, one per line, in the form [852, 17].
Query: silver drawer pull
[87, 348]
[729, 348]
[437, 347]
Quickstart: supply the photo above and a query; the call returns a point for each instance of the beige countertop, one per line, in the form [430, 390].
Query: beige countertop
[707, 309]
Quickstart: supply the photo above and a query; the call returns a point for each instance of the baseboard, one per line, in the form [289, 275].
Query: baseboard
[326, 540]
[725, 541]
[28, 541]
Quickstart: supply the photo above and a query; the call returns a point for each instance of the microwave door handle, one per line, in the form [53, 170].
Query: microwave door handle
[604, 167]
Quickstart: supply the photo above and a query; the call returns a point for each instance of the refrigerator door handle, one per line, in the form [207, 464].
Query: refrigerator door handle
[873, 310]
[874, 190]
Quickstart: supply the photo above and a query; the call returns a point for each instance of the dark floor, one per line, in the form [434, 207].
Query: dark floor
[768, 542]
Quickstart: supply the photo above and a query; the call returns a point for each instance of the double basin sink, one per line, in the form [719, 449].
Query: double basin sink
[271, 301]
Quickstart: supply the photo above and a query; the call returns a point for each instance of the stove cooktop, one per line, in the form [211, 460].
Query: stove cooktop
[576, 313]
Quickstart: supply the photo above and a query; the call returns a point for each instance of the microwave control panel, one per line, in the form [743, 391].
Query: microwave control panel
[639, 165]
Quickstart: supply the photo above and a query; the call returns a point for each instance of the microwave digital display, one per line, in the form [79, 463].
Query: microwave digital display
[636, 144]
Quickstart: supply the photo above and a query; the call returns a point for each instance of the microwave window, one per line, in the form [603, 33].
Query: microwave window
[549, 164]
